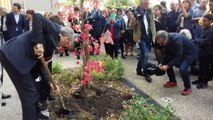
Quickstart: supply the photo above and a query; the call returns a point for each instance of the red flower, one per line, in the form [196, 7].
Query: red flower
[92, 38]
[83, 82]
[90, 49]
[87, 27]
[76, 40]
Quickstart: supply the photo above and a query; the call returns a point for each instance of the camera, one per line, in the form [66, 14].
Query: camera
[136, 14]
[153, 69]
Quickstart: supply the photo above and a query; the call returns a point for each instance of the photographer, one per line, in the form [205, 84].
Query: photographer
[144, 17]
[179, 52]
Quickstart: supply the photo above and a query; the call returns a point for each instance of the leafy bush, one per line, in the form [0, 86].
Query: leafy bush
[57, 68]
[68, 77]
[114, 68]
[140, 109]
[98, 76]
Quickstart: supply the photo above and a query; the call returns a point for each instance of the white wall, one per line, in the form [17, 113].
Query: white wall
[38, 5]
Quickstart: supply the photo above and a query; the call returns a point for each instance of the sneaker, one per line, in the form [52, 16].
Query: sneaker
[202, 86]
[123, 57]
[186, 91]
[43, 117]
[195, 82]
[148, 78]
[170, 84]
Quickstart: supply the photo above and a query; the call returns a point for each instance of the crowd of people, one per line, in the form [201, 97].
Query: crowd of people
[179, 36]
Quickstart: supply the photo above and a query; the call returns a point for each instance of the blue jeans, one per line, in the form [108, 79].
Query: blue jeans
[183, 68]
[143, 60]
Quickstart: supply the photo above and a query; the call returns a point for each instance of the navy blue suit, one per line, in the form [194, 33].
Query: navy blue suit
[15, 29]
[18, 58]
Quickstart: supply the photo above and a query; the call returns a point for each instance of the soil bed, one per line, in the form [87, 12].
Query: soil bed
[102, 100]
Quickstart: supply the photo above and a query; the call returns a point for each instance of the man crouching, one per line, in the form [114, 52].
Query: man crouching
[180, 52]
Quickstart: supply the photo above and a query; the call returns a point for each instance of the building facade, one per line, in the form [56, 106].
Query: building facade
[37, 5]
[5, 4]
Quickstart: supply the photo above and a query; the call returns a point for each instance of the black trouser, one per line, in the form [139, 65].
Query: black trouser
[121, 44]
[108, 49]
[25, 87]
[205, 68]
[5, 35]
[1, 74]
[42, 86]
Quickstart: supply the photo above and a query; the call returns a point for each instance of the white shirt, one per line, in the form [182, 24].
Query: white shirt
[4, 26]
[0, 20]
[145, 23]
[16, 17]
[31, 25]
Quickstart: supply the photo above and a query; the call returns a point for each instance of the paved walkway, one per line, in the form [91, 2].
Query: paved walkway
[197, 106]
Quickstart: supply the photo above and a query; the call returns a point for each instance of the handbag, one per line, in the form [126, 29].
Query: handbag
[107, 37]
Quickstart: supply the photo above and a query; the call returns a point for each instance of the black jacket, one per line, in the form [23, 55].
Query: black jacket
[205, 42]
[19, 50]
[179, 48]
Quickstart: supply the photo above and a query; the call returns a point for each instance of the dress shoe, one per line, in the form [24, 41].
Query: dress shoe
[140, 73]
[61, 54]
[4, 96]
[67, 54]
[123, 57]
[3, 104]
[186, 91]
[195, 82]
[148, 78]
[78, 57]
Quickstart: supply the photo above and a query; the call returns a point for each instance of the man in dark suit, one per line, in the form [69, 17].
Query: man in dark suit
[15, 22]
[22, 65]
[178, 51]
[3, 27]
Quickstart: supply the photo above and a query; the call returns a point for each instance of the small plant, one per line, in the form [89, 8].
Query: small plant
[114, 68]
[140, 109]
[57, 68]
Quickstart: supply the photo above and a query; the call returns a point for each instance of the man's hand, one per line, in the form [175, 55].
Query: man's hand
[160, 65]
[164, 67]
[54, 90]
[180, 4]
[122, 31]
[39, 50]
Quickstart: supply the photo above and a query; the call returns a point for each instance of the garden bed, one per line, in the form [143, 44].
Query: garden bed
[102, 100]
[105, 97]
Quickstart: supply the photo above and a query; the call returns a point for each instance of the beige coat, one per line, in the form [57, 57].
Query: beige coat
[137, 28]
